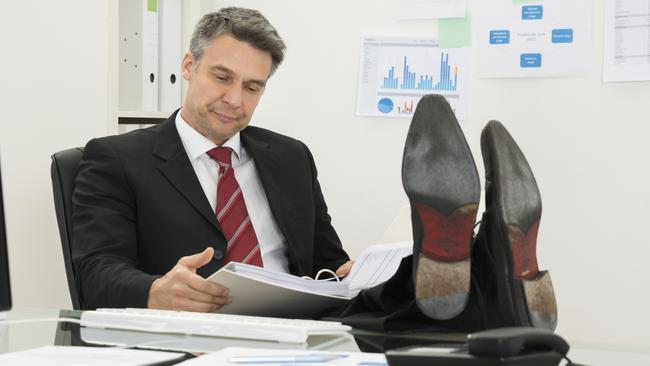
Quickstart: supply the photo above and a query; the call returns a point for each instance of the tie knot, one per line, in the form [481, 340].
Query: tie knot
[221, 155]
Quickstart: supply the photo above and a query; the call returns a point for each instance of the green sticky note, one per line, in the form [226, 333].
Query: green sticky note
[152, 5]
[455, 32]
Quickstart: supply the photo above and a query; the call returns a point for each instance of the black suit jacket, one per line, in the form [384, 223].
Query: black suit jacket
[138, 207]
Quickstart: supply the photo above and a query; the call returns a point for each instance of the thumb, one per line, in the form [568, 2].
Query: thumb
[197, 260]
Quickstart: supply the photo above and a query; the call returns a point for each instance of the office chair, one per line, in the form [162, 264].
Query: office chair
[64, 171]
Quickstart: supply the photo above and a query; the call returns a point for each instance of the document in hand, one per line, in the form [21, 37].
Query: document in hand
[260, 292]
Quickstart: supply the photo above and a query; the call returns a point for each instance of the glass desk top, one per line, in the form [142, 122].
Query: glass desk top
[23, 336]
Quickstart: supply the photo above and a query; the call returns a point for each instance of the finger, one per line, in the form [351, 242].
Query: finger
[209, 299]
[181, 290]
[186, 304]
[206, 297]
[200, 284]
[197, 260]
[344, 269]
[187, 280]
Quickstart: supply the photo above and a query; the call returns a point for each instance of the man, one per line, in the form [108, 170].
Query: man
[206, 188]
[157, 210]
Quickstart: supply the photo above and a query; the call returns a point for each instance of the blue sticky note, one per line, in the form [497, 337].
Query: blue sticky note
[500, 36]
[531, 12]
[562, 35]
[530, 60]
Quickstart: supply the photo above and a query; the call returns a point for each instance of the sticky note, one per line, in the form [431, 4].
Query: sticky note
[152, 5]
[455, 32]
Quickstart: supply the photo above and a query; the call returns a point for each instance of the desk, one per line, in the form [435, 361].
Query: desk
[22, 336]
[18, 337]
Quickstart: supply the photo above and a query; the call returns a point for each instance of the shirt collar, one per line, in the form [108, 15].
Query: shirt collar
[196, 144]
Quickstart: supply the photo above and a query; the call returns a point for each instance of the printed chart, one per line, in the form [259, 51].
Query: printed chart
[549, 38]
[395, 72]
[626, 40]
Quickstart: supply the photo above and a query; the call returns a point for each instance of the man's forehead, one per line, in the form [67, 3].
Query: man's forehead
[226, 69]
[232, 53]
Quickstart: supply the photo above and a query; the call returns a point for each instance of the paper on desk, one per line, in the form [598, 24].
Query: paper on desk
[221, 357]
[73, 356]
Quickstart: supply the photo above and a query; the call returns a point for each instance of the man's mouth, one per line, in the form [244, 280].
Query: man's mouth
[225, 117]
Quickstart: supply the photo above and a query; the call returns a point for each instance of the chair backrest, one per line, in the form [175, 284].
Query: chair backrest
[64, 169]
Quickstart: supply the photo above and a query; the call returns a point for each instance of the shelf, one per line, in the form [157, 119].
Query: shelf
[119, 121]
[140, 117]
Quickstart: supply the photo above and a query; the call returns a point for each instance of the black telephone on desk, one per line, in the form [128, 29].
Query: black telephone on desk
[503, 346]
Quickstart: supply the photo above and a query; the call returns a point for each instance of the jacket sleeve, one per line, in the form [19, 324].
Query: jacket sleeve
[104, 244]
[328, 251]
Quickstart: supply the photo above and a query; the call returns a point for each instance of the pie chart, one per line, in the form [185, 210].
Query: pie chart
[385, 105]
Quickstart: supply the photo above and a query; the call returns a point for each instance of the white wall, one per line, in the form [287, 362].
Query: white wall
[53, 96]
[585, 141]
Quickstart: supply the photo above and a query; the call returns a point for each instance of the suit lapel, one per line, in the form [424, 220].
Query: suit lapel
[176, 167]
[268, 164]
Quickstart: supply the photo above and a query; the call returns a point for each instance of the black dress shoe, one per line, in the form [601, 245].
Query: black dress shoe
[517, 293]
[442, 184]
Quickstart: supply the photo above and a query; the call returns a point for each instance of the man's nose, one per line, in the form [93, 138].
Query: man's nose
[232, 95]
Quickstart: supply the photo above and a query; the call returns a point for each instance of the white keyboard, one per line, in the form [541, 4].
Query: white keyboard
[211, 324]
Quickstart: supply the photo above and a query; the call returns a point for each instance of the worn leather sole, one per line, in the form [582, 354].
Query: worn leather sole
[513, 213]
[442, 184]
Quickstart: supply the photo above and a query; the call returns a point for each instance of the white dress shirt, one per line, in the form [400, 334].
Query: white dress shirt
[272, 243]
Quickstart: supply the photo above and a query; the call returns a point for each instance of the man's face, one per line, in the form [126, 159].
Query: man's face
[224, 88]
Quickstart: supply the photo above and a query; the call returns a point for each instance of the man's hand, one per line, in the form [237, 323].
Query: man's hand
[182, 289]
[344, 269]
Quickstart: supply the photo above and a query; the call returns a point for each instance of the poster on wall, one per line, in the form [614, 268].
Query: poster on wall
[546, 38]
[626, 40]
[430, 9]
[396, 71]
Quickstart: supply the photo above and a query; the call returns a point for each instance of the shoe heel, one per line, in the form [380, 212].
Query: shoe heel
[540, 301]
[524, 251]
[539, 297]
[442, 283]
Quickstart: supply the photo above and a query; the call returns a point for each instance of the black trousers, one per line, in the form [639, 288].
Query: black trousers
[390, 308]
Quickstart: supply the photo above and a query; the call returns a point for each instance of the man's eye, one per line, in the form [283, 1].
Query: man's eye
[221, 77]
[254, 89]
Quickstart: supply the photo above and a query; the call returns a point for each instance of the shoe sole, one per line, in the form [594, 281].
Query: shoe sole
[442, 184]
[519, 209]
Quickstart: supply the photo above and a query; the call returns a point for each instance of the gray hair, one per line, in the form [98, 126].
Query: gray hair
[245, 25]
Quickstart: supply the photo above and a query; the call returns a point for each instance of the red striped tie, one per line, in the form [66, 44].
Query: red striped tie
[232, 213]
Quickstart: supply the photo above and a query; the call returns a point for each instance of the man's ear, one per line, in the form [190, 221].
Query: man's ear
[187, 64]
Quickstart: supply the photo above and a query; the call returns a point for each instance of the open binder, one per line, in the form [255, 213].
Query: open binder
[260, 292]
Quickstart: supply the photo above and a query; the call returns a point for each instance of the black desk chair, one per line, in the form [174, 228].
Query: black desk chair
[64, 171]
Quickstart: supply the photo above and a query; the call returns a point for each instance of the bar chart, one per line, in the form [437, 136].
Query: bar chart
[396, 71]
[447, 79]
